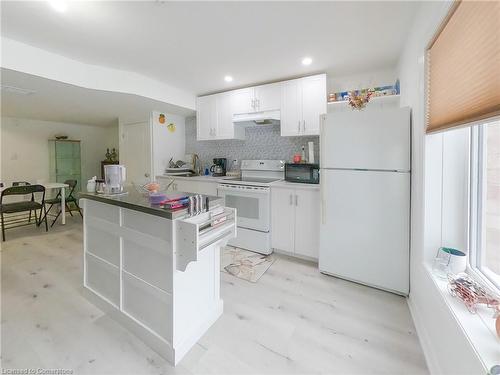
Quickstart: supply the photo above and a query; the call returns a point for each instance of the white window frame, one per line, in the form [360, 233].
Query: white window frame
[478, 192]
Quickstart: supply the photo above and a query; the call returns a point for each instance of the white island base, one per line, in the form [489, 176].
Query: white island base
[159, 277]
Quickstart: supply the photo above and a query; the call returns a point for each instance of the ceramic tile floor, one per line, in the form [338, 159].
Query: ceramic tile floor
[292, 321]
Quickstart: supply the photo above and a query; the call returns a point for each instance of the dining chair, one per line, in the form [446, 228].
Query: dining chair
[22, 206]
[68, 199]
[24, 183]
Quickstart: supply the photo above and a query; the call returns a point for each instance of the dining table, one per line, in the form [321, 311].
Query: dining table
[50, 186]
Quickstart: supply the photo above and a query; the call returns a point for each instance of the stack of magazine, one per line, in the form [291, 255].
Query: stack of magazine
[175, 201]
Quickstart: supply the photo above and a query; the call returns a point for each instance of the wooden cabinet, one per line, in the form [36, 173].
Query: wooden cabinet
[303, 101]
[295, 220]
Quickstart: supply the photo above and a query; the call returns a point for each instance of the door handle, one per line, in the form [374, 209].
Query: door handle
[304, 125]
[296, 200]
[298, 129]
[291, 199]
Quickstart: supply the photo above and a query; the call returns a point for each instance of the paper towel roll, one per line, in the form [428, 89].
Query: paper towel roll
[310, 145]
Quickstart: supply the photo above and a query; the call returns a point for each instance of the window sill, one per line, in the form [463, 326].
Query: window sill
[479, 328]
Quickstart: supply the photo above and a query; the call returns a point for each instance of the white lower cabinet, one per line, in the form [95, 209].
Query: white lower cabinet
[295, 220]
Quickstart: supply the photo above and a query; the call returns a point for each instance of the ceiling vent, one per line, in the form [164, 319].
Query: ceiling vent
[16, 90]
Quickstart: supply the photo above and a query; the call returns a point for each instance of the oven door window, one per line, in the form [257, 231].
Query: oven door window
[252, 208]
[246, 207]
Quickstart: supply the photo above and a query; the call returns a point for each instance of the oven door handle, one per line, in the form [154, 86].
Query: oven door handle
[250, 189]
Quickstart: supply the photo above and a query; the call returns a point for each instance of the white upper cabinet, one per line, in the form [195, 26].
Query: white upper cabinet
[300, 102]
[257, 99]
[303, 101]
[291, 108]
[206, 117]
[243, 100]
[313, 103]
[214, 118]
[225, 126]
[268, 97]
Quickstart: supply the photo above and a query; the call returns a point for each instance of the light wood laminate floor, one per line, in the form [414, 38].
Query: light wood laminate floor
[293, 321]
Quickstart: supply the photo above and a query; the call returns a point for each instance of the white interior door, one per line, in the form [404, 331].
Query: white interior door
[364, 232]
[135, 152]
[367, 139]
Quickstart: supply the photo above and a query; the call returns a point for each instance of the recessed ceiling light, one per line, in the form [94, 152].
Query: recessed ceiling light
[228, 79]
[59, 5]
[307, 61]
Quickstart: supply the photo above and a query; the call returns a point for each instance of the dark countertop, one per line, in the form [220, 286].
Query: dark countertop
[139, 202]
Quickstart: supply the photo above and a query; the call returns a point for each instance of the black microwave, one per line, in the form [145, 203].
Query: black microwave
[302, 173]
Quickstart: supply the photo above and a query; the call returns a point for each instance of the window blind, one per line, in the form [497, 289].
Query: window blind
[463, 76]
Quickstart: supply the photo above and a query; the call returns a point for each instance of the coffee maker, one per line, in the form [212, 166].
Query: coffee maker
[218, 169]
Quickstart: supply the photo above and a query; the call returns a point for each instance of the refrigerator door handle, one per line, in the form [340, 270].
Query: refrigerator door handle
[323, 209]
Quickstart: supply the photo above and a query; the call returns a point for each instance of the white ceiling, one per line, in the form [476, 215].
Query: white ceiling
[193, 45]
[60, 102]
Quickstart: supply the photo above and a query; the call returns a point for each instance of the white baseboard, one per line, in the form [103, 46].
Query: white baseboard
[423, 338]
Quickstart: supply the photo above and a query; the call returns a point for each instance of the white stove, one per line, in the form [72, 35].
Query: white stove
[251, 196]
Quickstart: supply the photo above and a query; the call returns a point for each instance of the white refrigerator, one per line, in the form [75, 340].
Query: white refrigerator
[365, 193]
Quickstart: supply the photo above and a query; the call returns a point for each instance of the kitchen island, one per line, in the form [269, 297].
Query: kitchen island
[156, 271]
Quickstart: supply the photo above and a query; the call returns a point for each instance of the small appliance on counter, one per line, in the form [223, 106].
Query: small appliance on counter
[302, 173]
[218, 169]
[235, 170]
[114, 176]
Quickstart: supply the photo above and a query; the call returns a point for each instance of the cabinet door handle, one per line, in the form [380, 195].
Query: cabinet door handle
[298, 129]
[291, 200]
[304, 126]
[296, 200]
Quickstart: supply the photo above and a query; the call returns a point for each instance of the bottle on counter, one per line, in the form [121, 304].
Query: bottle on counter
[303, 154]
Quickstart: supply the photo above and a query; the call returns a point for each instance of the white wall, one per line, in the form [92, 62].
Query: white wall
[28, 59]
[373, 78]
[167, 144]
[446, 348]
[25, 147]
[164, 143]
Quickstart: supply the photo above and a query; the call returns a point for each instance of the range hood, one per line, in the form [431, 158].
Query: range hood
[257, 118]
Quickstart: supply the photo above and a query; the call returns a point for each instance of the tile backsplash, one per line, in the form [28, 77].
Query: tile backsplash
[261, 142]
